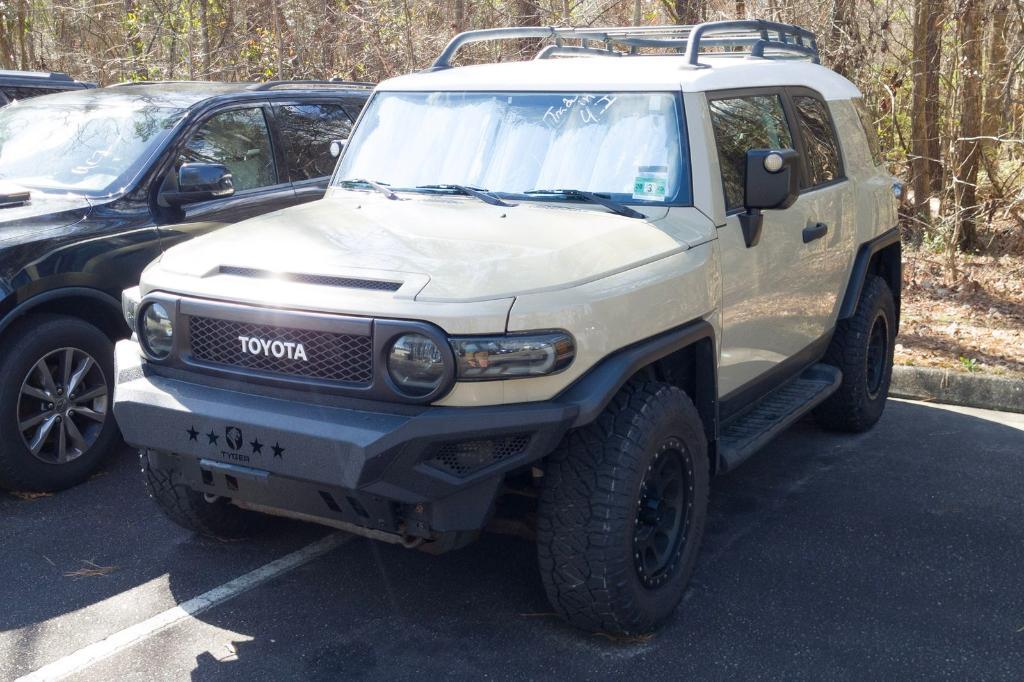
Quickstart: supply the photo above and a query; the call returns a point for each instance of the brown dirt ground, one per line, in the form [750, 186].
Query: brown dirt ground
[976, 324]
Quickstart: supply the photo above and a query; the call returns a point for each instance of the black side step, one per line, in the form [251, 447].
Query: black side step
[773, 414]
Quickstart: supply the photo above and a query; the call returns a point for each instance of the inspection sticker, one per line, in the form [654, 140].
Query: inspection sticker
[650, 183]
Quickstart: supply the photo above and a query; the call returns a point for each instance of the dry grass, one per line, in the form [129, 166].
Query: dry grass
[90, 569]
[976, 325]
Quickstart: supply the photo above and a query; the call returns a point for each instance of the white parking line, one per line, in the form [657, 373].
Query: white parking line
[97, 651]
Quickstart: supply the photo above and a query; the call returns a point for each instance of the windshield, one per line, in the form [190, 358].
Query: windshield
[628, 146]
[82, 148]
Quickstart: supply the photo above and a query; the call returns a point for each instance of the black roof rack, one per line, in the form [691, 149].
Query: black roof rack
[336, 82]
[755, 38]
[163, 82]
[42, 79]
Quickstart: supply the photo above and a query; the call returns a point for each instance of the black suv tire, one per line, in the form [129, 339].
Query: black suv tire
[622, 512]
[216, 517]
[49, 343]
[862, 348]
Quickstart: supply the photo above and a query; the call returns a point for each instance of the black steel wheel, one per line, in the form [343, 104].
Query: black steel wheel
[56, 425]
[862, 348]
[663, 514]
[622, 512]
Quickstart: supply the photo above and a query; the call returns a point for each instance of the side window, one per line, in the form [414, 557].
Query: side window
[307, 131]
[741, 124]
[822, 160]
[239, 139]
[870, 131]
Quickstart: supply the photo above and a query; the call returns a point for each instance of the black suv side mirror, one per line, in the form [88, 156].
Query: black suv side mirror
[772, 182]
[201, 182]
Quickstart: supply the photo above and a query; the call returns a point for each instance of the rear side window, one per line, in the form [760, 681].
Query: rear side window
[820, 144]
[741, 124]
[307, 131]
[867, 121]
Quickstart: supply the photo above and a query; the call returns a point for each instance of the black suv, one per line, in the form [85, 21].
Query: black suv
[101, 182]
[15, 85]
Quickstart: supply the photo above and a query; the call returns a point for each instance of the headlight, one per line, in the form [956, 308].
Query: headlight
[416, 365]
[157, 330]
[479, 358]
[130, 305]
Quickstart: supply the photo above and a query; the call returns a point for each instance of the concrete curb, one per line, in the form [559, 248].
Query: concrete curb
[957, 388]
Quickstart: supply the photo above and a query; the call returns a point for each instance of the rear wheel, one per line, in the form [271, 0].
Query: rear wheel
[862, 348]
[55, 421]
[622, 512]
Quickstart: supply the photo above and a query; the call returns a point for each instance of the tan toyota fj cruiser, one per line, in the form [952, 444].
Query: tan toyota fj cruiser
[594, 279]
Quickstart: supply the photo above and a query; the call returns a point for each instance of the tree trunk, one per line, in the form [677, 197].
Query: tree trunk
[968, 146]
[996, 75]
[926, 171]
[845, 37]
[686, 11]
[204, 35]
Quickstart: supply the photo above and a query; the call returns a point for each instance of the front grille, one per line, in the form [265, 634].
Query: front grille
[463, 458]
[322, 280]
[344, 358]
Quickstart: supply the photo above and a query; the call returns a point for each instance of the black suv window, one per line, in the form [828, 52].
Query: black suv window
[307, 130]
[239, 139]
[741, 124]
[820, 145]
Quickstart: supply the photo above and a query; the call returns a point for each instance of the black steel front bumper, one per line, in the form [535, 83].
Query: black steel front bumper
[416, 471]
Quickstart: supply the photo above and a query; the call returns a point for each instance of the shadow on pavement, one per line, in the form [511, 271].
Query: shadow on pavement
[893, 553]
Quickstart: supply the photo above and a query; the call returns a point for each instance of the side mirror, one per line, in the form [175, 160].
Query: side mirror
[772, 182]
[337, 147]
[201, 182]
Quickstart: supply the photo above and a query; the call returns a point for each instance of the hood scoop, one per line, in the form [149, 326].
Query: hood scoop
[321, 280]
[11, 196]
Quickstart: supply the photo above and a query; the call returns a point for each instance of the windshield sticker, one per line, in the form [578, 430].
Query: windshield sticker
[650, 183]
[591, 108]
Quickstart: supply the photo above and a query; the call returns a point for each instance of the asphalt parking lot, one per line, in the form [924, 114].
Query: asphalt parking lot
[894, 554]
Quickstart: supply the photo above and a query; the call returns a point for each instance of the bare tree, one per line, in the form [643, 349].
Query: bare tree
[968, 144]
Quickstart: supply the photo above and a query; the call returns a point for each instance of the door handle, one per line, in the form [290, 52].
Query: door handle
[815, 231]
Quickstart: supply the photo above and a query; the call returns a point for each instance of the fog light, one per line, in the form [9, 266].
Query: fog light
[157, 331]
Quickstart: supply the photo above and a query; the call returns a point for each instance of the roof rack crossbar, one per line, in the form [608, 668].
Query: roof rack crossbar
[569, 50]
[755, 36]
[270, 85]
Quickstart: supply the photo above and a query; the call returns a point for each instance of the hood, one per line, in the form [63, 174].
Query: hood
[439, 248]
[21, 221]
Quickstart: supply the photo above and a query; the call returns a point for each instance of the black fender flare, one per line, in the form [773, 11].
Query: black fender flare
[592, 392]
[109, 303]
[862, 266]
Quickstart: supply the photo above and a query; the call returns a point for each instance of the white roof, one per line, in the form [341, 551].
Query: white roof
[639, 73]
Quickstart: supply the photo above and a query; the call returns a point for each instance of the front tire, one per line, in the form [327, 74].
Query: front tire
[622, 512]
[55, 420]
[862, 348]
[213, 517]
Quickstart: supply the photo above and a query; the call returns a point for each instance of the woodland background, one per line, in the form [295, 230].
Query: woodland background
[945, 79]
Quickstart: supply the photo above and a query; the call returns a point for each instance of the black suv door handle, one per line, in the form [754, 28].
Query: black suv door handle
[815, 231]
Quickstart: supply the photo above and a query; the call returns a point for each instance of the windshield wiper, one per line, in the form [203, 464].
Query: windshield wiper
[613, 206]
[372, 184]
[481, 194]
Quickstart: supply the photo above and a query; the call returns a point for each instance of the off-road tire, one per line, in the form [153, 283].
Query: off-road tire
[859, 402]
[589, 511]
[189, 509]
[22, 346]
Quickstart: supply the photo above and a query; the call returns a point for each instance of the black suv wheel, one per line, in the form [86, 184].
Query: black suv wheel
[55, 420]
[622, 512]
[862, 348]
